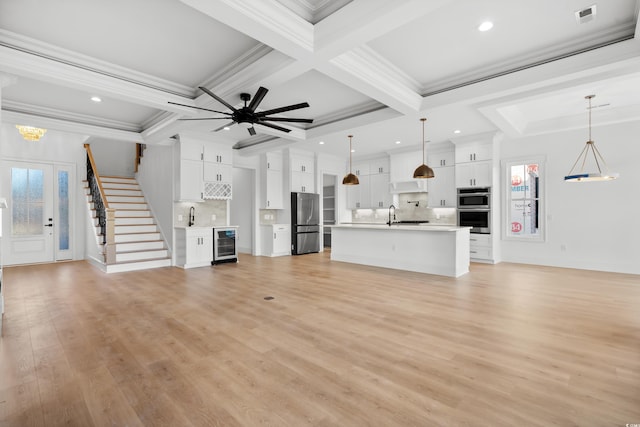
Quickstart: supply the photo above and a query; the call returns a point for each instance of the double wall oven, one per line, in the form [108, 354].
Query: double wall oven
[474, 209]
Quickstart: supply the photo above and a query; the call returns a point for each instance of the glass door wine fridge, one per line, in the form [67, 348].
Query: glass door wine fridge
[224, 245]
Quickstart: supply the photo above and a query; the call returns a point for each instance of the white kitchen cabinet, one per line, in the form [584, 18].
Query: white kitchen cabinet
[402, 166]
[217, 153]
[474, 174]
[480, 247]
[360, 168]
[473, 152]
[302, 173]
[205, 170]
[379, 190]
[276, 240]
[271, 185]
[441, 159]
[194, 247]
[442, 188]
[373, 190]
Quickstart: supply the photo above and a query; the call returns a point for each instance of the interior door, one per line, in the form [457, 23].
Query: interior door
[29, 221]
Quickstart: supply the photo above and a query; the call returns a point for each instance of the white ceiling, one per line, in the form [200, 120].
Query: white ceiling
[370, 68]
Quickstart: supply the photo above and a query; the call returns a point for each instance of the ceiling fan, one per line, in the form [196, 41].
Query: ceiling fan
[247, 116]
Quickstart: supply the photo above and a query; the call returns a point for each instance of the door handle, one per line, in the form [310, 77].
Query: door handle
[49, 225]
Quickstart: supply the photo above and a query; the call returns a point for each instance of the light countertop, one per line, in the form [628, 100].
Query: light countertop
[409, 227]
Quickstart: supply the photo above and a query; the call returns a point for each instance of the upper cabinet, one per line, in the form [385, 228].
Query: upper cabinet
[205, 170]
[271, 185]
[373, 190]
[474, 160]
[302, 172]
[442, 187]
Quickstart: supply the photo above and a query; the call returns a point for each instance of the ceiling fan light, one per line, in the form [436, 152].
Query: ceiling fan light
[423, 171]
[245, 125]
[350, 179]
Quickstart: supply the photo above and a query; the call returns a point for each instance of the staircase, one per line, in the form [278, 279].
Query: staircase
[138, 242]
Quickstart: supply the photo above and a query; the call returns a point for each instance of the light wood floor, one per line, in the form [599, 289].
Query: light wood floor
[340, 344]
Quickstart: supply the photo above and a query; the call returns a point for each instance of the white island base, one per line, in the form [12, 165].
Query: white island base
[442, 250]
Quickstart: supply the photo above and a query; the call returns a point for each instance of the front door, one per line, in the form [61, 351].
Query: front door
[36, 224]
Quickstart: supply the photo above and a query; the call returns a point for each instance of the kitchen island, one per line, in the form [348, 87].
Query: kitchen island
[432, 249]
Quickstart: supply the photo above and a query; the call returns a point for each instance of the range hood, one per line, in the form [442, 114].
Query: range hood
[413, 186]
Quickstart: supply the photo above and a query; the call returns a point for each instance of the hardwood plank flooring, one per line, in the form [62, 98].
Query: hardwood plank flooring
[339, 345]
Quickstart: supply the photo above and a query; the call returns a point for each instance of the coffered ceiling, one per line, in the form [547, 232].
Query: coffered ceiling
[370, 68]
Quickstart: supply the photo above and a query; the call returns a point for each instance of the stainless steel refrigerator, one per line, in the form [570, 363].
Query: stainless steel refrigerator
[305, 223]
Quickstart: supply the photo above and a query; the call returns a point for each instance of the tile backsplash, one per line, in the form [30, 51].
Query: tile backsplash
[410, 207]
[204, 212]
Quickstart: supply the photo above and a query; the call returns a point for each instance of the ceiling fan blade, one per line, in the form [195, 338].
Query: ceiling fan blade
[217, 98]
[282, 109]
[252, 131]
[207, 118]
[257, 98]
[224, 126]
[199, 108]
[285, 119]
[269, 125]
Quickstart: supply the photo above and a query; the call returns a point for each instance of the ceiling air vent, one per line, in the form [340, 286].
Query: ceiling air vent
[586, 15]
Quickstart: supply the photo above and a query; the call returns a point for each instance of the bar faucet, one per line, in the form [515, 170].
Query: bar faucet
[394, 214]
[192, 216]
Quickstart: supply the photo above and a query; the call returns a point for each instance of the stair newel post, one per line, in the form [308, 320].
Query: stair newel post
[110, 243]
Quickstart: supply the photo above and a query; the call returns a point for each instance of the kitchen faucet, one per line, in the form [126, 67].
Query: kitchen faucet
[192, 216]
[394, 214]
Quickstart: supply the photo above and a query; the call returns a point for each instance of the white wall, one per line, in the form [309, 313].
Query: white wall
[156, 177]
[592, 225]
[54, 147]
[113, 158]
[243, 210]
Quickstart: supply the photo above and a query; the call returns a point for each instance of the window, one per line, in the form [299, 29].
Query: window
[524, 199]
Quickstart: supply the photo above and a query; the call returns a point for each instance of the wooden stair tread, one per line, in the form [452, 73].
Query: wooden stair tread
[141, 251]
[142, 260]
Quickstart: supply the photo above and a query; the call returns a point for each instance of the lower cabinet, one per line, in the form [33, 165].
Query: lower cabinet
[480, 247]
[194, 247]
[276, 240]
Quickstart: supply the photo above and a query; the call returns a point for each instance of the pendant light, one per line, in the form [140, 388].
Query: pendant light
[590, 147]
[350, 179]
[423, 171]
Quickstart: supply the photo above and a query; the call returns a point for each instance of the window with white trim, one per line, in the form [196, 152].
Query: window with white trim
[524, 199]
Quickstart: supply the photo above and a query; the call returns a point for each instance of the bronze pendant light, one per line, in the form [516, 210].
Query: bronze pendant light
[423, 171]
[590, 147]
[350, 179]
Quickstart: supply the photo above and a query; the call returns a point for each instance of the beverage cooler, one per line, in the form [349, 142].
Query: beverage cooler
[225, 247]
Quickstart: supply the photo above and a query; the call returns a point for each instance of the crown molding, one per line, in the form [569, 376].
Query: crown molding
[57, 54]
[63, 125]
[45, 112]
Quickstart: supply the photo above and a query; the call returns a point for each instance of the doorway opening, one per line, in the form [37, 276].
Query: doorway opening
[328, 207]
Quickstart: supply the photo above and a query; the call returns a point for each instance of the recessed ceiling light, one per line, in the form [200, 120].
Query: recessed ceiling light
[397, 142]
[226, 128]
[321, 142]
[485, 26]
[457, 131]
[96, 99]
[353, 151]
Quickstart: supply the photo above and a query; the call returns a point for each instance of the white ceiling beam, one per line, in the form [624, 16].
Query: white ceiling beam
[264, 20]
[364, 20]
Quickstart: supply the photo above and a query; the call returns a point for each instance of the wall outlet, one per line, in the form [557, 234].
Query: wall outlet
[179, 217]
[213, 217]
